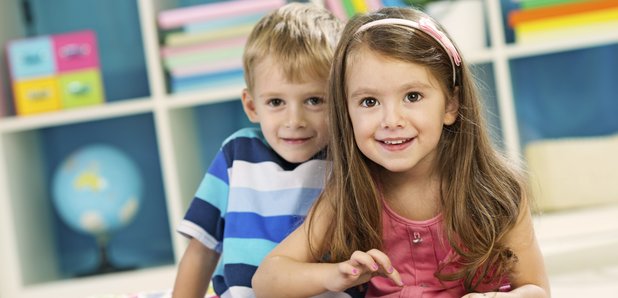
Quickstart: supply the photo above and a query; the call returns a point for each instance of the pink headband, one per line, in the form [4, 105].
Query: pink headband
[427, 26]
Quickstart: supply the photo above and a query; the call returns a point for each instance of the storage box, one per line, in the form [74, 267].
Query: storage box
[54, 72]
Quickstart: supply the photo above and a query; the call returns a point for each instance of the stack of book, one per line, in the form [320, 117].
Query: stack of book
[345, 9]
[202, 45]
[543, 20]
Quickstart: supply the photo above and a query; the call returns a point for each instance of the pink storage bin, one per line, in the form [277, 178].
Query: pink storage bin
[76, 50]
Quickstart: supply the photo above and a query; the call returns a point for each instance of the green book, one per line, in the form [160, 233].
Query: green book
[529, 4]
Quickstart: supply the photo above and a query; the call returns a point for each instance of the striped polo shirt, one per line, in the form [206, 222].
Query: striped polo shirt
[248, 201]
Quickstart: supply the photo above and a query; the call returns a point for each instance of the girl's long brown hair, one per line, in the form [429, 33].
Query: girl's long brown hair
[481, 192]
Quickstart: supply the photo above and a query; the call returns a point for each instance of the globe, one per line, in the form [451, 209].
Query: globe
[97, 190]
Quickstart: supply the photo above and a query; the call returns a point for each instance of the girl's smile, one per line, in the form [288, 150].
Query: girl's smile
[395, 144]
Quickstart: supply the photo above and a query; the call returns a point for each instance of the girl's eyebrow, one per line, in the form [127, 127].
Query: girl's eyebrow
[362, 91]
[416, 84]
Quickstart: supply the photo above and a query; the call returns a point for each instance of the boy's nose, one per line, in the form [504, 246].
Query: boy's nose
[295, 118]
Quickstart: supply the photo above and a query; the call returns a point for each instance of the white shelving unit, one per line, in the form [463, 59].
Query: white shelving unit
[29, 265]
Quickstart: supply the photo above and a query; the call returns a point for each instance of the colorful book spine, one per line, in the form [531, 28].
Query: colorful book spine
[589, 23]
[345, 9]
[212, 11]
[527, 15]
[207, 80]
[202, 57]
[183, 39]
[215, 45]
[222, 23]
[206, 68]
[529, 4]
[543, 20]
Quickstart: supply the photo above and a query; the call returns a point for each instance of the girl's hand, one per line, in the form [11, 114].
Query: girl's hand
[361, 267]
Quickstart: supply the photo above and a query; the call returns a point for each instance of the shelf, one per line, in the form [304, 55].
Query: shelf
[79, 115]
[63, 252]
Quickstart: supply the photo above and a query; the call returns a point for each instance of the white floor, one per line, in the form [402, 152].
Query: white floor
[581, 251]
[600, 282]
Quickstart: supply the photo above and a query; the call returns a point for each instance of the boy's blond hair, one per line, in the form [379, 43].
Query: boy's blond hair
[300, 37]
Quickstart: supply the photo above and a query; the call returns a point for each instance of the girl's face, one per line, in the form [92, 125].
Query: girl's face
[397, 111]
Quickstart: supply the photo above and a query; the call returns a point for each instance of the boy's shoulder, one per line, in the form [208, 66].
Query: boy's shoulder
[246, 133]
[248, 144]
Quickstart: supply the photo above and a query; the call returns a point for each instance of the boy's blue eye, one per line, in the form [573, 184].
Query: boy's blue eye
[368, 102]
[413, 97]
[314, 101]
[274, 102]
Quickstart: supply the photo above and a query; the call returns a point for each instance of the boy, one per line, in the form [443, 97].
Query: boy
[262, 181]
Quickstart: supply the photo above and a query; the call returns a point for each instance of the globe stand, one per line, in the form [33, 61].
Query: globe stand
[105, 266]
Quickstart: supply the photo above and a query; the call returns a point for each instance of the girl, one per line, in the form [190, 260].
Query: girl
[418, 203]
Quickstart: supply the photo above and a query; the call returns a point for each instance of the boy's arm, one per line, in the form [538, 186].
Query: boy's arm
[195, 271]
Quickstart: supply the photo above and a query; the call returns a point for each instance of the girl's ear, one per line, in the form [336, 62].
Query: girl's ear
[452, 108]
[249, 106]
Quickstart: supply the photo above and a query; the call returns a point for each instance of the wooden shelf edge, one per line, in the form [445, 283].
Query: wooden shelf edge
[76, 115]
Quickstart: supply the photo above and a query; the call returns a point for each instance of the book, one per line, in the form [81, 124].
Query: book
[222, 23]
[218, 79]
[184, 39]
[213, 45]
[205, 57]
[517, 17]
[174, 18]
[569, 26]
[344, 9]
[206, 68]
[528, 4]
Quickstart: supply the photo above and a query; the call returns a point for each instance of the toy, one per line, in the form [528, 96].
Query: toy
[55, 71]
[97, 190]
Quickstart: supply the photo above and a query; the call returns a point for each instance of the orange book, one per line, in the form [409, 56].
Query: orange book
[517, 17]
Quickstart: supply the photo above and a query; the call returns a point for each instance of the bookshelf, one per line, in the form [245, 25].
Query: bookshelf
[171, 137]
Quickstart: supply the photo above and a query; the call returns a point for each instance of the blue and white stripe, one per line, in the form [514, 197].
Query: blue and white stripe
[249, 200]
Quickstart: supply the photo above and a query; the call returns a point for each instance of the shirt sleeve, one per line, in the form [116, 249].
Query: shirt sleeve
[205, 218]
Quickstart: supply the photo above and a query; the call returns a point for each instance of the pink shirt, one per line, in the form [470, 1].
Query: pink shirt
[416, 249]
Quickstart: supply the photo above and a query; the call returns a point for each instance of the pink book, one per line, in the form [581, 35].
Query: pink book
[233, 42]
[180, 16]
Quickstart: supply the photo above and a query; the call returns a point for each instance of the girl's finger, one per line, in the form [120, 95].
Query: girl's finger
[384, 261]
[365, 260]
[349, 269]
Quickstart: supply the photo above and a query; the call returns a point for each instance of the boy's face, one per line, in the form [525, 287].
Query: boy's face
[292, 115]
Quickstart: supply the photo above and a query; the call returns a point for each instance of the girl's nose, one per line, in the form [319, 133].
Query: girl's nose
[392, 117]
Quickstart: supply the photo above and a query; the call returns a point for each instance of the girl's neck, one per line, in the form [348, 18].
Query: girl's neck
[412, 196]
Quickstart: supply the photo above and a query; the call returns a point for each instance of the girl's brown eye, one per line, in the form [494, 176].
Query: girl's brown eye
[413, 97]
[369, 102]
